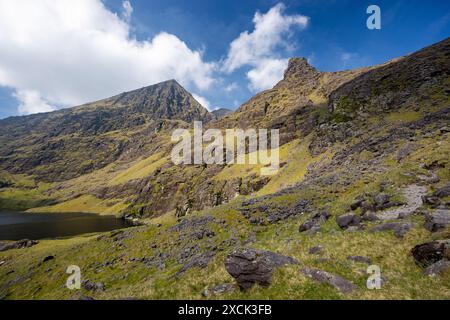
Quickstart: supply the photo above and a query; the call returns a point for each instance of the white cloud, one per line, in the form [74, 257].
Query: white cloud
[203, 101]
[269, 34]
[65, 53]
[267, 73]
[31, 102]
[127, 10]
[231, 87]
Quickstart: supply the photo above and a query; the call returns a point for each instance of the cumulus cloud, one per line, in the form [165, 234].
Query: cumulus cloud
[31, 102]
[267, 73]
[64, 53]
[258, 49]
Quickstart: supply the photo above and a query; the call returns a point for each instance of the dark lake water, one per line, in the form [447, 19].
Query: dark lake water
[35, 226]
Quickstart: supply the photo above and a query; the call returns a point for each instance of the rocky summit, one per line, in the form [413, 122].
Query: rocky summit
[363, 185]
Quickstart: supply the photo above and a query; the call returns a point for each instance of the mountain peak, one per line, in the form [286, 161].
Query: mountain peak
[299, 67]
[169, 82]
[164, 100]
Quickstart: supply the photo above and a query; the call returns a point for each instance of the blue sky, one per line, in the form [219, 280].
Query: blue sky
[109, 47]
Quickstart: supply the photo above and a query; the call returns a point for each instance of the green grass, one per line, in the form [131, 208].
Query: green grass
[140, 170]
[23, 192]
[404, 116]
[85, 204]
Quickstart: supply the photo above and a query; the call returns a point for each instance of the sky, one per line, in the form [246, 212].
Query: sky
[61, 53]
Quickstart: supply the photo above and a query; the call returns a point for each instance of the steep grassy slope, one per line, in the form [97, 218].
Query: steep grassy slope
[375, 133]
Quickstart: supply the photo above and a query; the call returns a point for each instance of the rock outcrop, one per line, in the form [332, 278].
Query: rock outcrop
[341, 284]
[399, 228]
[251, 266]
[429, 253]
[437, 220]
[25, 243]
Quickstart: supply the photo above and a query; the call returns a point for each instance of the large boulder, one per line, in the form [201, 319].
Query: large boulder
[251, 266]
[348, 220]
[437, 220]
[341, 284]
[431, 252]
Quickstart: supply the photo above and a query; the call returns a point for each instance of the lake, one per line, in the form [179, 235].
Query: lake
[35, 226]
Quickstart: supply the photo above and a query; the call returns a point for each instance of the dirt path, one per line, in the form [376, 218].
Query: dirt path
[413, 195]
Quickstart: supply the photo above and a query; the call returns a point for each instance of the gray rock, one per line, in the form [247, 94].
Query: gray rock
[315, 222]
[357, 204]
[443, 192]
[360, 259]
[367, 206]
[369, 216]
[315, 229]
[348, 220]
[430, 178]
[435, 199]
[405, 151]
[21, 244]
[399, 228]
[437, 268]
[219, 289]
[93, 286]
[437, 220]
[251, 266]
[381, 199]
[316, 250]
[354, 228]
[336, 281]
[199, 261]
[258, 212]
[431, 252]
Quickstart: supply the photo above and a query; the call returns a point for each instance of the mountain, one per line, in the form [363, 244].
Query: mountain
[65, 144]
[221, 112]
[364, 180]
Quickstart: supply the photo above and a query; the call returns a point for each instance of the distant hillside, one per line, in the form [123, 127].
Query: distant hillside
[65, 144]
[220, 113]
